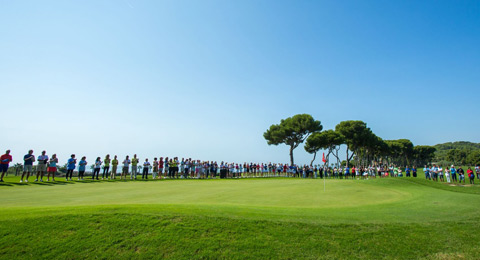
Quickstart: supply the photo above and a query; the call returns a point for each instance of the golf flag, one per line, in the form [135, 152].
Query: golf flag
[323, 159]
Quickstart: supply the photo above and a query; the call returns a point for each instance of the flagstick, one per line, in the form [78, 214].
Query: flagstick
[324, 171]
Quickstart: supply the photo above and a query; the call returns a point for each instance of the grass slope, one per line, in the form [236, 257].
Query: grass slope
[240, 219]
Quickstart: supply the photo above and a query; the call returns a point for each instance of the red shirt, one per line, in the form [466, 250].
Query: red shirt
[5, 157]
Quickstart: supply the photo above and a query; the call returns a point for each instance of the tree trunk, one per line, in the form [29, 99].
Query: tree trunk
[291, 155]
[348, 160]
[314, 156]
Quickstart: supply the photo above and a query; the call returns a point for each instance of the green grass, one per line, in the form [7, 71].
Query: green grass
[391, 218]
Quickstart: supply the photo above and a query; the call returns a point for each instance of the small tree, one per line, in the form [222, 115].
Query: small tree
[292, 131]
[356, 134]
[328, 140]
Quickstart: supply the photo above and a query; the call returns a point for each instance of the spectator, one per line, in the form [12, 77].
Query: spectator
[96, 169]
[52, 167]
[106, 166]
[28, 160]
[71, 166]
[81, 168]
[113, 173]
[41, 165]
[4, 162]
[470, 174]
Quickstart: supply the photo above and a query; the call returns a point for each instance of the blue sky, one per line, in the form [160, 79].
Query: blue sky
[205, 79]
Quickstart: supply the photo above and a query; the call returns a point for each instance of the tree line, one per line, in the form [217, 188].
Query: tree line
[363, 147]
[466, 153]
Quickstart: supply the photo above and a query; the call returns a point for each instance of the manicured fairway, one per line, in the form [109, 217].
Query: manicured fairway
[394, 218]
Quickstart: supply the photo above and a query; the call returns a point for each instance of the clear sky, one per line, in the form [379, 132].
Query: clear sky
[205, 79]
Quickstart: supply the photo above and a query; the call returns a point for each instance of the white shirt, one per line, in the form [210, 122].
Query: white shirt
[126, 162]
[98, 164]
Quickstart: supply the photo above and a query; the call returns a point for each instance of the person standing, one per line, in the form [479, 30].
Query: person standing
[52, 167]
[426, 170]
[187, 169]
[81, 168]
[171, 168]
[96, 169]
[461, 175]
[146, 168]
[113, 173]
[160, 167]
[71, 166]
[4, 162]
[434, 172]
[126, 164]
[414, 172]
[440, 174]
[155, 168]
[347, 172]
[453, 173]
[477, 171]
[182, 169]
[447, 174]
[174, 167]
[28, 160]
[41, 165]
[470, 174]
[106, 166]
[133, 174]
[407, 171]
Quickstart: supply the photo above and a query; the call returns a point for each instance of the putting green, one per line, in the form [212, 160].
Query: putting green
[295, 193]
[343, 201]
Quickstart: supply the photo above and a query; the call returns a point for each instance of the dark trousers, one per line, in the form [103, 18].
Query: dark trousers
[105, 172]
[145, 173]
[69, 172]
[96, 172]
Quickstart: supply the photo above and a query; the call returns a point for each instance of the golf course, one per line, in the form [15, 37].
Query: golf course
[262, 218]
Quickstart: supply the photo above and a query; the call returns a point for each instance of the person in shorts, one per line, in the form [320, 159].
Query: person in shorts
[4, 162]
[41, 165]
[52, 167]
[28, 160]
